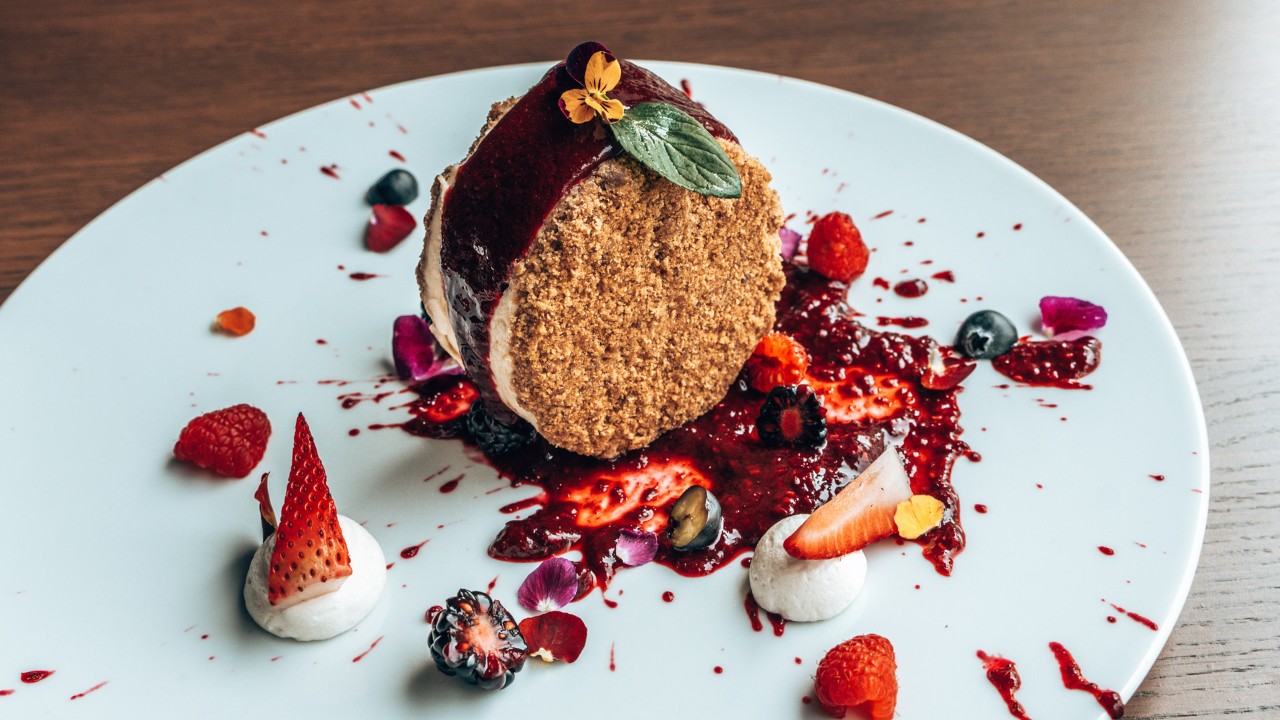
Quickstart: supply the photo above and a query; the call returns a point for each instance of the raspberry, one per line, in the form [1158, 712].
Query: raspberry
[836, 249]
[859, 673]
[230, 441]
[777, 360]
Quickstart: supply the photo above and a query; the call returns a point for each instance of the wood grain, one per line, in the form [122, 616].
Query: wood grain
[1159, 119]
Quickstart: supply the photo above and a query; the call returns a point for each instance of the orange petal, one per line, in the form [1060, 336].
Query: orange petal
[573, 103]
[602, 74]
[612, 109]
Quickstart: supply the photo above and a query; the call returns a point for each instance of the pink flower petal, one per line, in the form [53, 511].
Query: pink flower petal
[1066, 318]
[790, 243]
[551, 586]
[416, 354]
[636, 547]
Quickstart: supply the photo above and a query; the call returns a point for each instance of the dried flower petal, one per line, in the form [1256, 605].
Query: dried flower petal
[1066, 318]
[414, 349]
[264, 508]
[917, 515]
[790, 243]
[551, 586]
[554, 636]
[236, 321]
[636, 547]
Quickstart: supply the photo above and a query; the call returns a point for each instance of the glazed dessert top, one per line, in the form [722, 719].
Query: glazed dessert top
[516, 176]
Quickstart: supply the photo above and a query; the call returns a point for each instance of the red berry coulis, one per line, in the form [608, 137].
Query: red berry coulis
[1060, 363]
[1003, 674]
[870, 384]
[1073, 679]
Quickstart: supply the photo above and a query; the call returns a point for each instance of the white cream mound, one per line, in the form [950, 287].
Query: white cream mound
[803, 590]
[325, 616]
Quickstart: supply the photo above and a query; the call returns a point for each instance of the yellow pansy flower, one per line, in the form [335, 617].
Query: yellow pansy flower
[581, 105]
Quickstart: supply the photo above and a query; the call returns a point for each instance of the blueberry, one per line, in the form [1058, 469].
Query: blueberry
[398, 187]
[696, 520]
[986, 334]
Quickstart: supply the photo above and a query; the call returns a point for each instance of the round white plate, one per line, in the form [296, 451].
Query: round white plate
[125, 567]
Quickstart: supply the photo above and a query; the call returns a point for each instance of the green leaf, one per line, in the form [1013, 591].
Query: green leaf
[668, 141]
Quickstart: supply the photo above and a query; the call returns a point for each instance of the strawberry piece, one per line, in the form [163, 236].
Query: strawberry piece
[859, 674]
[946, 369]
[310, 556]
[230, 441]
[268, 515]
[388, 225]
[778, 360]
[836, 249]
[861, 513]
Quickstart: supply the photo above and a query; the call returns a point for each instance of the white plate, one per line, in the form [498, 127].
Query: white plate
[119, 561]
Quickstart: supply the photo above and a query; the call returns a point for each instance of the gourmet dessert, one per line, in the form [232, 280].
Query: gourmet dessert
[604, 259]
[317, 573]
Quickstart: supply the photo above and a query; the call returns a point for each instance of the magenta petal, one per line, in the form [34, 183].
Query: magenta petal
[1068, 318]
[636, 547]
[790, 243]
[550, 587]
[415, 352]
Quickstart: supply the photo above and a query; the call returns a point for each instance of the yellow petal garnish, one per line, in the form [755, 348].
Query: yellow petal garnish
[581, 106]
[917, 515]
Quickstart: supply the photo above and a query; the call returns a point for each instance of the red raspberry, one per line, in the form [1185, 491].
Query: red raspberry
[859, 673]
[836, 249]
[777, 360]
[229, 442]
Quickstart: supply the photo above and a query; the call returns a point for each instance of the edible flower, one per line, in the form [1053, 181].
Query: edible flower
[554, 636]
[551, 586]
[415, 352]
[1067, 318]
[636, 547]
[790, 243]
[601, 74]
[917, 515]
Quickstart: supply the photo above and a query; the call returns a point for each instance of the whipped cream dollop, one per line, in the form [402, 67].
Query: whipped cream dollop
[803, 590]
[325, 616]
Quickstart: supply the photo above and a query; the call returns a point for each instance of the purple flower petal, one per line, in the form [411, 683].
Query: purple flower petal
[636, 547]
[1066, 318]
[576, 64]
[416, 354]
[550, 587]
[790, 243]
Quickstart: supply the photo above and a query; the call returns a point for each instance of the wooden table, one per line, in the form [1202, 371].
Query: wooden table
[1161, 120]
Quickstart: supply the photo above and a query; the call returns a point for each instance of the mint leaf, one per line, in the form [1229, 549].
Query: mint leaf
[666, 140]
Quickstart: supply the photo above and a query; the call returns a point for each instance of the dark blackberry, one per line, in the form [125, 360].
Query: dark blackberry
[494, 436]
[792, 415]
[398, 187]
[476, 639]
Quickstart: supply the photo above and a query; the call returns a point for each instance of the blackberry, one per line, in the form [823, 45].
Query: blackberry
[792, 415]
[494, 436]
[476, 639]
[398, 187]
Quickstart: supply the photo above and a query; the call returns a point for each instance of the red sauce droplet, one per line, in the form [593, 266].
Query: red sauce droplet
[1059, 363]
[687, 88]
[493, 583]
[668, 596]
[525, 504]
[1074, 679]
[450, 485]
[321, 341]
[981, 234]
[204, 637]
[1018, 226]
[363, 276]
[34, 676]
[778, 622]
[906, 322]
[980, 508]
[1003, 674]
[79, 695]
[944, 276]
[1106, 550]
[753, 613]
[396, 155]
[1157, 478]
[6, 692]
[881, 283]
[1136, 617]
[799, 661]
[259, 133]
[884, 214]
[611, 604]
[921, 221]
[331, 171]
[360, 657]
[719, 670]
[911, 288]
[746, 562]
[806, 699]
[412, 551]
[612, 666]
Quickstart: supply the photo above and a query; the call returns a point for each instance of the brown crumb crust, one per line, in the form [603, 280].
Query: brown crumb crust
[638, 303]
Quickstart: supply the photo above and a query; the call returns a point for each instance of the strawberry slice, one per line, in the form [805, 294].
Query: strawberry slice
[388, 225]
[946, 370]
[310, 556]
[861, 513]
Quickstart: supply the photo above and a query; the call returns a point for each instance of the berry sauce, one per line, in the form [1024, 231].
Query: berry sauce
[1073, 679]
[1003, 674]
[911, 288]
[870, 385]
[35, 676]
[1060, 363]
[504, 191]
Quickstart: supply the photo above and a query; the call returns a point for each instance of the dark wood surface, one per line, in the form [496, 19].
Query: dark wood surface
[1161, 120]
